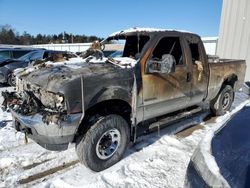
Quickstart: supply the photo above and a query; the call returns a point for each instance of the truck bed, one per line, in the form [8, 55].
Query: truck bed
[222, 70]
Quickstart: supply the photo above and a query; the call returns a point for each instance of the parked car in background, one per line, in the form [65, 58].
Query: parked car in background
[108, 52]
[13, 53]
[6, 71]
[116, 54]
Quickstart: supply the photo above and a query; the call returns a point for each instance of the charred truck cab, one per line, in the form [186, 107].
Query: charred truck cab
[99, 102]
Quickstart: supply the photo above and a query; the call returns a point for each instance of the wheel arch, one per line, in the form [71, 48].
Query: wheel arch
[104, 107]
[230, 80]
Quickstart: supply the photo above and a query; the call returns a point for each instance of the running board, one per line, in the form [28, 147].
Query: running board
[179, 122]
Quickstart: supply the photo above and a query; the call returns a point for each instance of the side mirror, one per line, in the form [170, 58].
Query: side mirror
[165, 65]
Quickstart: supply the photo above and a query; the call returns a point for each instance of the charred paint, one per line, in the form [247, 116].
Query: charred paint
[148, 94]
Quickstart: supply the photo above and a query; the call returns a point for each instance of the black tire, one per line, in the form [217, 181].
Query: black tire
[223, 101]
[87, 145]
[11, 80]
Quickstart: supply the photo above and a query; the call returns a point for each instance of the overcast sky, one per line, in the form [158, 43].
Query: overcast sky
[102, 17]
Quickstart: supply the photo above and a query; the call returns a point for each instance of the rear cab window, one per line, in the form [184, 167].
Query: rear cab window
[194, 45]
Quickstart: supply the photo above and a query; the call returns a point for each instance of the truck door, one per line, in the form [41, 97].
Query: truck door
[166, 92]
[199, 66]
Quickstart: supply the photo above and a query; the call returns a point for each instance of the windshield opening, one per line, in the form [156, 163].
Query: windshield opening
[128, 46]
[32, 56]
[26, 56]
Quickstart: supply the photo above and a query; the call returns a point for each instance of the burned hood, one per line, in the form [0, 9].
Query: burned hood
[54, 77]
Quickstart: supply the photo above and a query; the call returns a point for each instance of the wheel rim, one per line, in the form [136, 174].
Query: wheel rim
[108, 144]
[226, 101]
[13, 80]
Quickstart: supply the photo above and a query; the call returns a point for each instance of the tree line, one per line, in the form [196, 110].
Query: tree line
[9, 36]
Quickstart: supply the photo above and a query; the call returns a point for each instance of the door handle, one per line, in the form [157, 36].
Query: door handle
[189, 76]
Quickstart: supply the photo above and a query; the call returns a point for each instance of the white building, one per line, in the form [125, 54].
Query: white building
[210, 44]
[234, 34]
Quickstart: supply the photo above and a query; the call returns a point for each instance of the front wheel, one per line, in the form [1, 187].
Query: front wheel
[11, 80]
[104, 143]
[223, 102]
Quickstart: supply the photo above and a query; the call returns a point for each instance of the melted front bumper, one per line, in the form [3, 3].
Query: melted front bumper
[52, 136]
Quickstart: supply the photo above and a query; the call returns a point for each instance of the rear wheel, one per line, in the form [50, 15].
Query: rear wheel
[223, 102]
[104, 143]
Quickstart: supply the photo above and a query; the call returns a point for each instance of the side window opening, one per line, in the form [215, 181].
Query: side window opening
[194, 48]
[5, 54]
[169, 45]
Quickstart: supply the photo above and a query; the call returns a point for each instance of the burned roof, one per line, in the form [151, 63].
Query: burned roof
[144, 30]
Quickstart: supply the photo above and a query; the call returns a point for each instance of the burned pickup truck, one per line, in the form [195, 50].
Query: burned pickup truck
[100, 103]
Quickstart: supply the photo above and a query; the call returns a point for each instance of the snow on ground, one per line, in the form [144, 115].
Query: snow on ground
[155, 161]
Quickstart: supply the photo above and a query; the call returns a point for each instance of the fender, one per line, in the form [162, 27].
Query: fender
[109, 93]
[230, 79]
